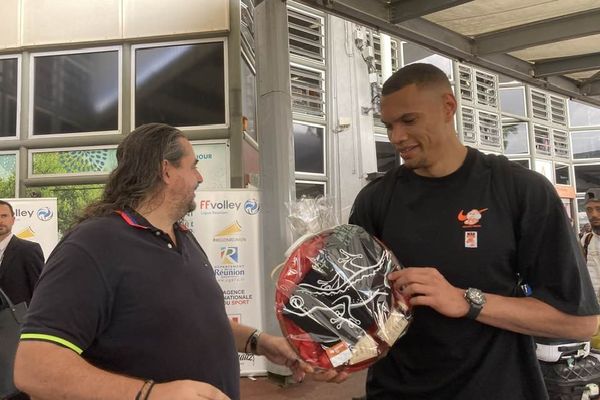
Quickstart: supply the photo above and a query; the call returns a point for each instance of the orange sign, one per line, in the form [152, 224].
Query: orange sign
[565, 191]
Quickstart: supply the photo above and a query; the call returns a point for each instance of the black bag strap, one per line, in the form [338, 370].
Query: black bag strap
[387, 184]
[586, 242]
[4, 299]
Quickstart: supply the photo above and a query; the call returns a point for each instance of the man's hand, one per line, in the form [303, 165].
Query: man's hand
[427, 287]
[278, 350]
[186, 389]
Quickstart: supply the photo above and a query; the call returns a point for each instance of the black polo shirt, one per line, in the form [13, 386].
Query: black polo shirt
[117, 291]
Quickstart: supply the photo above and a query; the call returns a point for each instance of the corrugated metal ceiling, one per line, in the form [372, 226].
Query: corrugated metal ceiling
[554, 44]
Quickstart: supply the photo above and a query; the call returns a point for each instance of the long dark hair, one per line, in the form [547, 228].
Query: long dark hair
[138, 175]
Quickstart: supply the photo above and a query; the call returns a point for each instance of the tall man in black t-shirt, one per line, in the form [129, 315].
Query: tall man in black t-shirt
[128, 306]
[491, 259]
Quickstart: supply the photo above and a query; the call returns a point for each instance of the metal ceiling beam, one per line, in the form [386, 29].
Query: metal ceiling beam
[444, 41]
[547, 31]
[409, 9]
[567, 65]
[592, 88]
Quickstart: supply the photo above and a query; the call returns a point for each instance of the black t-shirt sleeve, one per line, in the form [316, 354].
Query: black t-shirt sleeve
[71, 303]
[549, 257]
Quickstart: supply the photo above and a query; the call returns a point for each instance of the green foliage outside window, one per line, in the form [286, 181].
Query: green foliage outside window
[72, 199]
[74, 162]
[8, 168]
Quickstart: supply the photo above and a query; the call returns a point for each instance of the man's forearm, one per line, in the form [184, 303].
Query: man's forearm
[534, 317]
[47, 371]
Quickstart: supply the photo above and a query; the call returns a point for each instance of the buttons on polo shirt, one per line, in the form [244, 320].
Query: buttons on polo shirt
[157, 233]
[169, 245]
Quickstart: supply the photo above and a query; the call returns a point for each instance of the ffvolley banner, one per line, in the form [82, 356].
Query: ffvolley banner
[226, 223]
[36, 220]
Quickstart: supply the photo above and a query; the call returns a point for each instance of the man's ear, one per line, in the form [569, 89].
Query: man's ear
[166, 171]
[449, 106]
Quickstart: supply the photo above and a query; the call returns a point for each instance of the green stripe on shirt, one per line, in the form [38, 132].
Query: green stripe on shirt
[50, 338]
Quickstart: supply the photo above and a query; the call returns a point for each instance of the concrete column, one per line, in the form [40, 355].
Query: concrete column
[276, 146]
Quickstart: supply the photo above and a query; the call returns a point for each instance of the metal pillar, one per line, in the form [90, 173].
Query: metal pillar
[276, 145]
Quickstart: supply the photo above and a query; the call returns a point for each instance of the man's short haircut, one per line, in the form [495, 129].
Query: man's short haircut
[420, 74]
[6, 203]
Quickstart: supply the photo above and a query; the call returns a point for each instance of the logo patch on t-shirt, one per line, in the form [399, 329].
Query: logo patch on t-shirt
[472, 218]
[471, 239]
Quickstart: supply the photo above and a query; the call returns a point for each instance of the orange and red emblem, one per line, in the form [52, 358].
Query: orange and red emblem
[472, 218]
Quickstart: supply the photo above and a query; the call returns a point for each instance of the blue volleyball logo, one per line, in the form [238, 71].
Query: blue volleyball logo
[251, 206]
[44, 214]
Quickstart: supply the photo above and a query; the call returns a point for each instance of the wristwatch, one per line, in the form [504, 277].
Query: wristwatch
[476, 300]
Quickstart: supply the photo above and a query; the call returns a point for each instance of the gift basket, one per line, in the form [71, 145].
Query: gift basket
[333, 300]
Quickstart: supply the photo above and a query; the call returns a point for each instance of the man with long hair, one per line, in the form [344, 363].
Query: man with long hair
[128, 306]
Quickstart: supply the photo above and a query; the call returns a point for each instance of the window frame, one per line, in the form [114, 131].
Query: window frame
[31, 152]
[310, 182]
[17, 169]
[18, 57]
[87, 50]
[325, 147]
[217, 39]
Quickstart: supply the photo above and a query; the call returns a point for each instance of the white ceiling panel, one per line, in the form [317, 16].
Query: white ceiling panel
[566, 48]
[483, 16]
[583, 75]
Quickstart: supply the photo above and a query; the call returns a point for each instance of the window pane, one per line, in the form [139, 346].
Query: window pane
[523, 163]
[8, 172]
[309, 189]
[308, 96]
[583, 114]
[513, 101]
[8, 97]
[306, 35]
[308, 148]
[386, 156]
[249, 99]
[76, 93]
[586, 176]
[73, 162]
[516, 138]
[561, 173]
[72, 199]
[182, 85]
[213, 164]
[414, 53]
[586, 144]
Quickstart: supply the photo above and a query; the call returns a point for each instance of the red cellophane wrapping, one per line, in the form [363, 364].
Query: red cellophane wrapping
[334, 302]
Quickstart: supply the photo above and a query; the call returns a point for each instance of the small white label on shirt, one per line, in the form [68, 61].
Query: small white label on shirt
[471, 239]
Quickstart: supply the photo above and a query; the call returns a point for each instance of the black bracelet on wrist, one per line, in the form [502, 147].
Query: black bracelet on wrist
[254, 341]
[248, 342]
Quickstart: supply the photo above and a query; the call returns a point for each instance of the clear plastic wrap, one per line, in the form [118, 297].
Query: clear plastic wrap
[334, 302]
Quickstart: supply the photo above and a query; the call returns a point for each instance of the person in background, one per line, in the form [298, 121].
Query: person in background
[491, 258]
[20, 266]
[128, 306]
[22, 260]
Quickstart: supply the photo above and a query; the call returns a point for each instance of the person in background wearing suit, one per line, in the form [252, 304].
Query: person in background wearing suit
[21, 260]
[21, 263]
